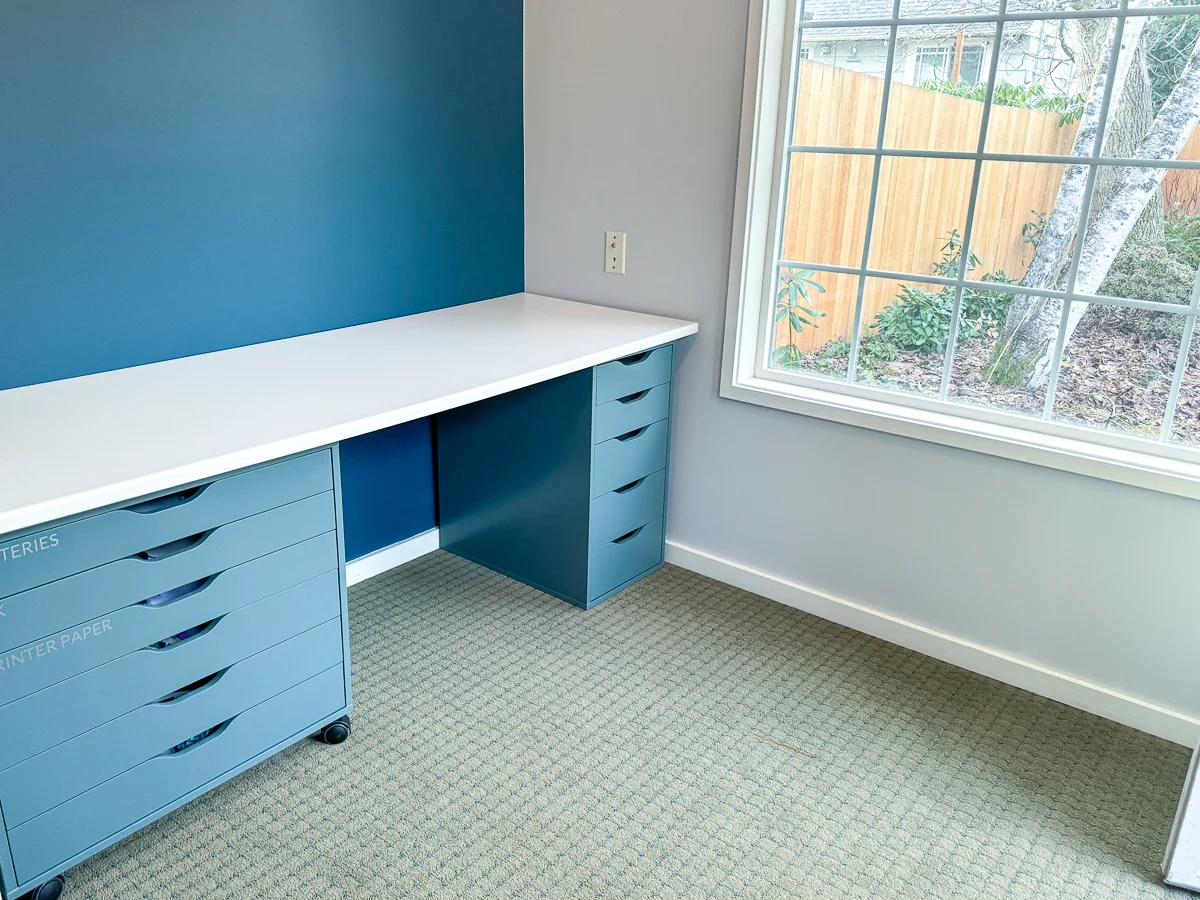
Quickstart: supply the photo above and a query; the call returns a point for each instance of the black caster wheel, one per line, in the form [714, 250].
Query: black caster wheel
[51, 890]
[334, 733]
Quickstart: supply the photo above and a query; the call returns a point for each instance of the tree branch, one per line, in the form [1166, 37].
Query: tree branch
[1052, 251]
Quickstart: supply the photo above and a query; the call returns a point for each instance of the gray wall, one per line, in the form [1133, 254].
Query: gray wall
[632, 113]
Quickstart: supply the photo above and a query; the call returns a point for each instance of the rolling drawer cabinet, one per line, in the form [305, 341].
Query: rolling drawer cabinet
[562, 485]
[149, 652]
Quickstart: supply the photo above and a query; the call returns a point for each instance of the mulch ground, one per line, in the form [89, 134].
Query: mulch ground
[1114, 377]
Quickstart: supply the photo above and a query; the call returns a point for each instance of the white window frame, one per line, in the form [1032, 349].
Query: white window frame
[772, 42]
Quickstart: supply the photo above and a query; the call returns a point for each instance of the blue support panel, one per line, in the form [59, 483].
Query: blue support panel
[514, 477]
[546, 486]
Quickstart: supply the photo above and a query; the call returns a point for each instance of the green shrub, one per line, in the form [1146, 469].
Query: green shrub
[916, 320]
[1152, 272]
[1149, 272]
[793, 304]
[1025, 96]
[919, 319]
[834, 350]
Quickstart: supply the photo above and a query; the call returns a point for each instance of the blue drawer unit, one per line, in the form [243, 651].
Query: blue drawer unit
[67, 770]
[57, 551]
[562, 485]
[73, 830]
[153, 650]
[161, 582]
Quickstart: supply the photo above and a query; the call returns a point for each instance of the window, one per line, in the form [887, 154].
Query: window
[934, 64]
[990, 238]
[970, 70]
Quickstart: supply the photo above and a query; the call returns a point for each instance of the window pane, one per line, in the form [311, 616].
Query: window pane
[936, 100]
[1027, 6]
[985, 371]
[971, 69]
[1043, 78]
[1015, 200]
[839, 92]
[948, 8]
[1156, 260]
[818, 10]
[920, 214]
[813, 321]
[1156, 60]
[825, 217]
[1186, 426]
[1117, 369]
[905, 328]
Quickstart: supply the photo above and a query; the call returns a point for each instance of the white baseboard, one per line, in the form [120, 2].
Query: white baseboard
[389, 557]
[1139, 714]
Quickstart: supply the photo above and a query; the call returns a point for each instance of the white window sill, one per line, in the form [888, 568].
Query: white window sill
[1083, 457]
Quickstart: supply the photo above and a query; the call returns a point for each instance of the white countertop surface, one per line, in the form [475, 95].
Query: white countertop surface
[70, 446]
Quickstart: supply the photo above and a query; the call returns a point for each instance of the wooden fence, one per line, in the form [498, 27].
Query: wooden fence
[1181, 188]
[920, 200]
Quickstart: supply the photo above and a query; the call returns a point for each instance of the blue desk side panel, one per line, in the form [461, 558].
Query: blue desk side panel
[514, 483]
[184, 177]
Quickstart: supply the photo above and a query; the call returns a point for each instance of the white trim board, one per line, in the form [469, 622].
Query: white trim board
[1140, 714]
[359, 570]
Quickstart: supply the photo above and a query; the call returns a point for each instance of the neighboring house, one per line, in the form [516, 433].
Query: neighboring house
[1031, 51]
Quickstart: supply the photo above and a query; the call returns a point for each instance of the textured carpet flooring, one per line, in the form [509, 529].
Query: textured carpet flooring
[684, 739]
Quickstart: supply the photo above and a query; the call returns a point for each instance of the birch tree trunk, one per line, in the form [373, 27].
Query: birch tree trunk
[1031, 324]
[1128, 207]
[1032, 352]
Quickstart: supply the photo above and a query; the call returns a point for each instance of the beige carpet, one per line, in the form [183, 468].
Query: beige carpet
[684, 739]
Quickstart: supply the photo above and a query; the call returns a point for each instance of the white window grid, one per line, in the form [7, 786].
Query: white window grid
[962, 282]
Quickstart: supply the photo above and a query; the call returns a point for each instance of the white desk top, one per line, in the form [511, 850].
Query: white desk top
[70, 446]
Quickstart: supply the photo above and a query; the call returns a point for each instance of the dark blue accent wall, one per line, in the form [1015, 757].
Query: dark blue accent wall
[180, 177]
[383, 464]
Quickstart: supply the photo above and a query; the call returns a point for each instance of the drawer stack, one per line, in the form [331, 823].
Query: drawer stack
[153, 650]
[563, 485]
[629, 470]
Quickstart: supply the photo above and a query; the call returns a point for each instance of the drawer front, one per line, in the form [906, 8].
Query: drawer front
[631, 413]
[620, 561]
[32, 787]
[622, 461]
[49, 717]
[29, 560]
[55, 607]
[619, 512]
[83, 647]
[632, 374]
[75, 827]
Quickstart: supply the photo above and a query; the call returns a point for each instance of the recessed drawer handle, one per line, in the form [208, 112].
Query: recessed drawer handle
[633, 398]
[630, 435]
[184, 637]
[170, 501]
[191, 690]
[635, 359]
[198, 740]
[183, 592]
[174, 548]
[625, 489]
[629, 537]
